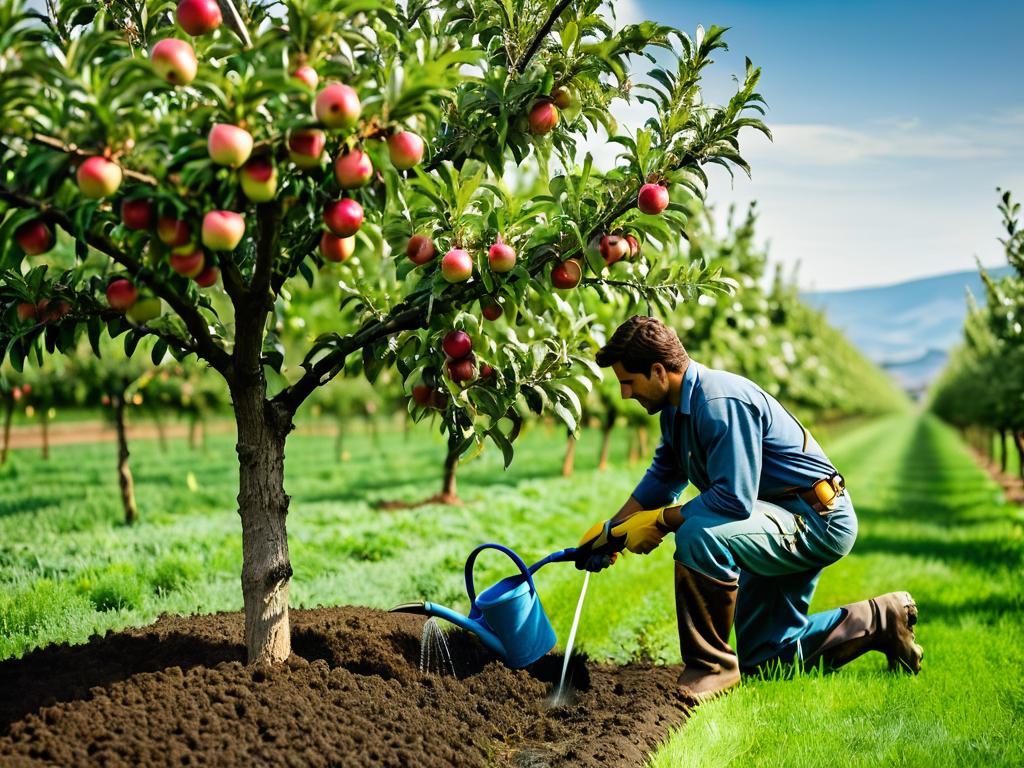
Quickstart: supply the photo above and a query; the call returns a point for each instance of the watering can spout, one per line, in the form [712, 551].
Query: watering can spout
[425, 608]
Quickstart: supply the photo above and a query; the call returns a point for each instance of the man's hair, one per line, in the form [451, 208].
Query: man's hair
[639, 343]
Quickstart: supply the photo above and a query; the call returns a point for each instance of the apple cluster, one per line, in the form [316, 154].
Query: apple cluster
[543, 117]
[457, 263]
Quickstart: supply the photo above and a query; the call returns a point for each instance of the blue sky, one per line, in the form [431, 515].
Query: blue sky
[894, 123]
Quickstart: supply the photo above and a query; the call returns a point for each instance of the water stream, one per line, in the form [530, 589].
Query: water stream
[434, 651]
[561, 697]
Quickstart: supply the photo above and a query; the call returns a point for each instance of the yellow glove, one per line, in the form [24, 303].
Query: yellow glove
[643, 531]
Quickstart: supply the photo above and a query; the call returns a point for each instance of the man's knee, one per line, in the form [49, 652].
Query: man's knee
[699, 548]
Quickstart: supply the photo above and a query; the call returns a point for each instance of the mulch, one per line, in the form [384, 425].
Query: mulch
[352, 694]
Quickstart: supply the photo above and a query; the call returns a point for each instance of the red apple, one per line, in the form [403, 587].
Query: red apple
[462, 370]
[562, 97]
[634, 246]
[337, 106]
[16, 394]
[456, 266]
[486, 371]
[145, 309]
[223, 230]
[197, 17]
[653, 199]
[51, 311]
[26, 389]
[207, 277]
[98, 177]
[343, 217]
[490, 308]
[122, 294]
[353, 169]
[421, 394]
[613, 248]
[175, 61]
[138, 214]
[420, 249]
[336, 248]
[189, 264]
[26, 311]
[566, 275]
[457, 344]
[259, 180]
[229, 145]
[173, 232]
[306, 147]
[501, 257]
[306, 75]
[405, 149]
[34, 237]
[543, 117]
[105, 399]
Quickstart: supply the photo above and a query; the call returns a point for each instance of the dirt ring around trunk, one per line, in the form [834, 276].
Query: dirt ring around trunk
[177, 692]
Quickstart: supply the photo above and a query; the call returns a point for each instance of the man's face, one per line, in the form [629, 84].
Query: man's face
[650, 391]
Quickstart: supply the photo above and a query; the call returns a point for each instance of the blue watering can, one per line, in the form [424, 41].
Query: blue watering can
[508, 616]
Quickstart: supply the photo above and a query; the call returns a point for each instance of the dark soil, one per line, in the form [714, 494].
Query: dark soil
[177, 693]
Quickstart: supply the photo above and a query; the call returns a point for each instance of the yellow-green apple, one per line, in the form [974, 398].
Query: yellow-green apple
[653, 199]
[490, 308]
[25, 310]
[138, 214]
[343, 217]
[306, 147]
[337, 106]
[173, 233]
[353, 169]
[457, 344]
[336, 248]
[501, 257]
[122, 294]
[306, 75]
[405, 149]
[543, 117]
[188, 262]
[259, 180]
[145, 309]
[98, 177]
[34, 237]
[197, 17]
[456, 266]
[175, 61]
[562, 97]
[207, 277]
[614, 248]
[223, 230]
[420, 249]
[229, 145]
[566, 275]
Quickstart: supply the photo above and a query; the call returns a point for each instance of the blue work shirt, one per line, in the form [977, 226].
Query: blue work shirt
[734, 442]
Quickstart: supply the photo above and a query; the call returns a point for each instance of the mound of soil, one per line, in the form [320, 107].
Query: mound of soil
[178, 693]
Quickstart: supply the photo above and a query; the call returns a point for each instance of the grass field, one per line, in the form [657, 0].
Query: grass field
[931, 522]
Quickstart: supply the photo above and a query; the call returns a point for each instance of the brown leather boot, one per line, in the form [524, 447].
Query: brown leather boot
[704, 610]
[880, 624]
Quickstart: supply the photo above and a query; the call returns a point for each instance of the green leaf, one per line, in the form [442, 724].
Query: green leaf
[159, 350]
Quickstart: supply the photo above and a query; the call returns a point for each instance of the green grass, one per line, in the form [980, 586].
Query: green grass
[931, 522]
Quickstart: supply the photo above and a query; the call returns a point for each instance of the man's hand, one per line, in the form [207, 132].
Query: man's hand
[597, 549]
[643, 531]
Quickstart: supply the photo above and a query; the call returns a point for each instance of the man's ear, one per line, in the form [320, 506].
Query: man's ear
[659, 372]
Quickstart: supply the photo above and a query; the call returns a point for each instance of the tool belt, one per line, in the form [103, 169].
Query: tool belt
[821, 496]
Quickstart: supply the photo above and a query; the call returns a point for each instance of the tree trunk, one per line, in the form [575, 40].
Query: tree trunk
[124, 471]
[161, 433]
[193, 422]
[606, 441]
[641, 434]
[44, 422]
[570, 456]
[8, 415]
[339, 441]
[449, 492]
[263, 508]
[634, 449]
[1018, 439]
[1002, 450]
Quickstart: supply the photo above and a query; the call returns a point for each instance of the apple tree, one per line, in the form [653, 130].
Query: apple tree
[192, 168]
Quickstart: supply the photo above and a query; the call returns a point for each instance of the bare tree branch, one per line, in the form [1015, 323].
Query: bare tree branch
[557, 11]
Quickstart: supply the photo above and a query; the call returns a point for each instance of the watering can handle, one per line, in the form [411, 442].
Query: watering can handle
[471, 560]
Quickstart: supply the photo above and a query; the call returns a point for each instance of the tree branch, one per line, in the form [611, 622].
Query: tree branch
[205, 346]
[73, 149]
[557, 11]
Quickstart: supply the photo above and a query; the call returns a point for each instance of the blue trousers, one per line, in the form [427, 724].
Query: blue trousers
[776, 555]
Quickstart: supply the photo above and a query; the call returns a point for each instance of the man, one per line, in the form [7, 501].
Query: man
[772, 513]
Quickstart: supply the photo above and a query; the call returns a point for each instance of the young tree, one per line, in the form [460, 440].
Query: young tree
[193, 169]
